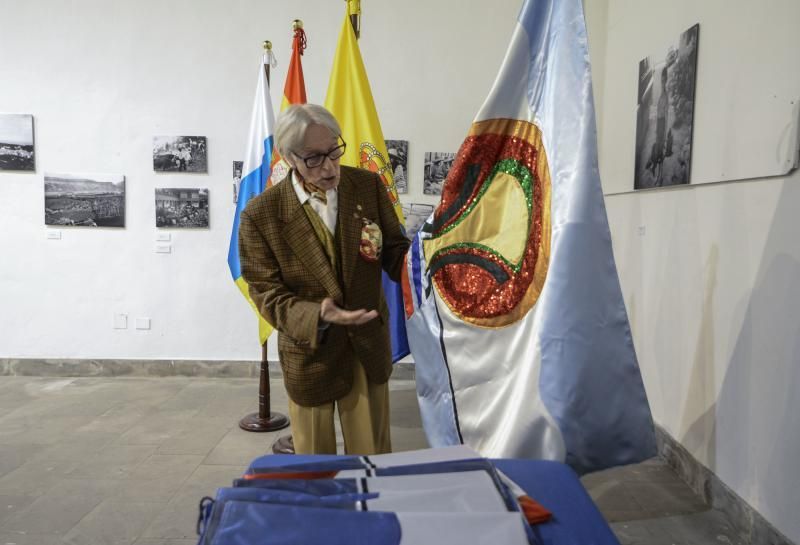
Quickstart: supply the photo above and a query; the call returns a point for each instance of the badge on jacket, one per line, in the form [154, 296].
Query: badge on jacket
[371, 241]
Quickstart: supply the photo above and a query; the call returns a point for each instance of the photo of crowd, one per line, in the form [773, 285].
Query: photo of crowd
[84, 200]
[179, 154]
[182, 207]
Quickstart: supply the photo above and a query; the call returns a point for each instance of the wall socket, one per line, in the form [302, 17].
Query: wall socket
[142, 323]
[120, 321]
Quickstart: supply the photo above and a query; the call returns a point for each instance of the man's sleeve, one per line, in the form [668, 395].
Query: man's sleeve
[395, 244]
[281, 307]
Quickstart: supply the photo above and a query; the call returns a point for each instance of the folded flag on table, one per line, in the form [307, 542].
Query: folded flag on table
[271, 524]
[515, 315]
[458, 501]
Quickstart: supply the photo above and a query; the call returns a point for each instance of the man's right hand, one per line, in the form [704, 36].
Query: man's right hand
[330, 312]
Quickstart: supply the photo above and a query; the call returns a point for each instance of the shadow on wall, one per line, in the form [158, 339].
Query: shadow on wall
[758, 410]
[700, 435]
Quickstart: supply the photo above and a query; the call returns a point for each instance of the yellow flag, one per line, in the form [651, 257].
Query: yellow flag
[350, 101]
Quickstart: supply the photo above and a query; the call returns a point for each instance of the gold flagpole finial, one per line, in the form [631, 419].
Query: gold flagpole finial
[297, 23]
[267, 45]
[354, 7]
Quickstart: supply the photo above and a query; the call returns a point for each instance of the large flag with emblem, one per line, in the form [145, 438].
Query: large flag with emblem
[256, 170]
[516, 318]
[350, 101]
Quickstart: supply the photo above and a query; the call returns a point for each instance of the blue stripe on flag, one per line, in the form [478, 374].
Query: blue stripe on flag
[416, 269]
[251, 185]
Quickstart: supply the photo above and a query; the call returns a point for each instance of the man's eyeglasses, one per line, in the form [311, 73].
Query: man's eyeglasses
[316, 160]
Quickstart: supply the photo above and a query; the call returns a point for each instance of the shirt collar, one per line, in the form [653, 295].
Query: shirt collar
[302, 194]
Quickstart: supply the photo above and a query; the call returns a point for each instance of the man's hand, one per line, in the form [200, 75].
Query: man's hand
[330, 312]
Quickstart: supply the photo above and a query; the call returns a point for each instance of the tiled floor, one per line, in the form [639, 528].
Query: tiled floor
[90, 461]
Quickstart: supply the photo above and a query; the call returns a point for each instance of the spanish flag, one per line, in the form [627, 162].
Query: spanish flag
[294, 92]
[350, 101]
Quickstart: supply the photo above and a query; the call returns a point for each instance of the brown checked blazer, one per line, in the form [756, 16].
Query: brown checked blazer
[288, 273]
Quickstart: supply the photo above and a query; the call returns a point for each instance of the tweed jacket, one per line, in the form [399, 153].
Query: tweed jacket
[288, 275]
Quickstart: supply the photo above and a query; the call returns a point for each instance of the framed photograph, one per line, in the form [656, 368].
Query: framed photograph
[437, 165]
[665, 114]
[416, 214]
[182, 207]
[237, 179]
[84, 200]
[16, 142]
[398, 157]
[179, 154]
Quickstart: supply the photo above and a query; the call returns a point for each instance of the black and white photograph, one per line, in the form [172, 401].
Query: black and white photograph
[16, 142]
[182, 207]
[237, 179]
[665, 114]
[179, 154]
[84, 200]
[415, 214]
[398, 157]
[437, 165]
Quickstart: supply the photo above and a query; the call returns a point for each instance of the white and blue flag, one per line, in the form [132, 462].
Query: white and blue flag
[256, 170]
[515, 314]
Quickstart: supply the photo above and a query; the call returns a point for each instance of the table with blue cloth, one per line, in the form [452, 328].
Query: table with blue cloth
[576, 520]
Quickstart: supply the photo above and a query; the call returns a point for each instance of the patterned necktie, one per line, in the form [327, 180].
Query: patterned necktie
[315, 193]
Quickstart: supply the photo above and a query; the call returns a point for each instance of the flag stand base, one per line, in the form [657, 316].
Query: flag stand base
[254, 422]
[283, 445]
[264, 420]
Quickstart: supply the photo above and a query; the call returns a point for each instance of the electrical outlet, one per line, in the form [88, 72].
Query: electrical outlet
[142, 323]
[120, 321]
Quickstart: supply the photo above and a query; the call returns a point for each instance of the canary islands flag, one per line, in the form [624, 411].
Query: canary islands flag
[350, 101]
[256, 169]
[517, 323]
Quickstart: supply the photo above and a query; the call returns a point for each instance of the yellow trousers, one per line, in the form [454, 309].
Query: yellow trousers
[363, 414]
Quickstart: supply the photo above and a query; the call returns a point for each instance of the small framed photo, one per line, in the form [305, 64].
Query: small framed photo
[16, 142]
[182, 207]
[437, 165]
[180, 154]
[84, 200]
[398, 157]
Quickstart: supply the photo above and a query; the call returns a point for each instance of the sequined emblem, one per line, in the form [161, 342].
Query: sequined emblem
[490, 240]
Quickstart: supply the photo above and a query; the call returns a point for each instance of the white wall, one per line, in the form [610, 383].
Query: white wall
[102, 78]
[710, 273]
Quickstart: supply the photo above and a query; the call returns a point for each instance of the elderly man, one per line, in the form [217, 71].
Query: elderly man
[312, 249]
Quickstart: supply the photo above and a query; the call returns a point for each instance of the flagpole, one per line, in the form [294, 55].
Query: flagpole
[264, 420]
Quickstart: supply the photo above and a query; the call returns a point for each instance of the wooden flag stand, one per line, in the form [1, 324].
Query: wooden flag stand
[264, 420]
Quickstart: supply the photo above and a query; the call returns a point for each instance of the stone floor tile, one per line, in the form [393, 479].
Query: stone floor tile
[11, 505]
[49, 515]
[113, 462]
[239, 447]
[17, 538]
[113, 523]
